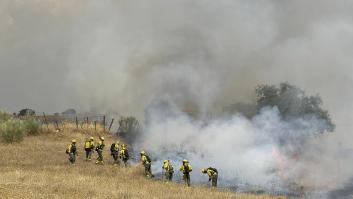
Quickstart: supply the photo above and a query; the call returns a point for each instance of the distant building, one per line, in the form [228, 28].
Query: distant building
[69, 112]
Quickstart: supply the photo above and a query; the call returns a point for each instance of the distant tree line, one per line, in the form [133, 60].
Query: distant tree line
[291, 101]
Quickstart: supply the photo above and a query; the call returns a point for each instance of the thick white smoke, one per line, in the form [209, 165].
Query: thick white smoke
[264, 151]
[119, 56]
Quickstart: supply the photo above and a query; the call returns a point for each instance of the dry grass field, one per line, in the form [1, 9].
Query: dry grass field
[38, 167]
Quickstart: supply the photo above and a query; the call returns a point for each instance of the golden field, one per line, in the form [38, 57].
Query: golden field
[38, 167]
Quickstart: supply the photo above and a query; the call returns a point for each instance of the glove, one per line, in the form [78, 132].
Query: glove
[209, 179]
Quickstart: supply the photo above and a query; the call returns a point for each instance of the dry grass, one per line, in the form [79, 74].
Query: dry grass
[38, 168]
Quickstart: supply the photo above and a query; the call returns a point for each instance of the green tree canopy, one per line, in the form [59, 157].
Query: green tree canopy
[292, 103]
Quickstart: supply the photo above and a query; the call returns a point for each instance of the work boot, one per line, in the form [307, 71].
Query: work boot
[99, 162]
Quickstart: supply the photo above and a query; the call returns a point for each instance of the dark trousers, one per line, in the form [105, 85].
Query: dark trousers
[186, 178]
[125, 161]
[169, 175]
[214, 179]
[72, 158]
[88, 154]
[148, 171]
[115, 156]
[100, 155]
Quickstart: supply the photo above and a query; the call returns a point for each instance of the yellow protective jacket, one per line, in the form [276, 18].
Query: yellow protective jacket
[124, 153]
[89, 144]
[71, 149]
[186, 168]
[211, 172]
[145, 159]
[167, 166]
[100, 145]
[116, 147]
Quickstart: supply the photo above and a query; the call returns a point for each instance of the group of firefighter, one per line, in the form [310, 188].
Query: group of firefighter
[122, 154]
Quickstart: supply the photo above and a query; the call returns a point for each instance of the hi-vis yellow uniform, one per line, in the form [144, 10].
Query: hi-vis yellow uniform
[89, 148]
[186, 169]
[168, 168]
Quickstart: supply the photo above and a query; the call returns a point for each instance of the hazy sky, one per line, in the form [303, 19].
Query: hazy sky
[120, 55]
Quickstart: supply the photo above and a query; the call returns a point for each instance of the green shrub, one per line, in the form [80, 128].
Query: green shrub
[4, 116]
[32, 127]
[12, 130]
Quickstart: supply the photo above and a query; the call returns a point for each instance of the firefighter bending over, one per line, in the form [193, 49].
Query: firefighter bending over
[212, 175]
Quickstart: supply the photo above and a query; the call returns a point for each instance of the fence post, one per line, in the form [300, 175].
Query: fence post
[111, 124]
[45, 120]
[57, 125]
[95, 125]
[76, 122]
[103, 123]
[87, 121]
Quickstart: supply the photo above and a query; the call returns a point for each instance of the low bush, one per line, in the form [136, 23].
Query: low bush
[4, 116]
[32, 127]
[12, 130]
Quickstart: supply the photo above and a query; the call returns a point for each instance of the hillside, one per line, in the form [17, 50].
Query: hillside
[38, 167]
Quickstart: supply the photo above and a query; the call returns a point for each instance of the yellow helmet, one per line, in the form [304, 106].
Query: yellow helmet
[92, 138]
[165, 161]
[101, 138]
[142, 152]
[124, 146]
[185, 161]
[73, 141]
[203, 170]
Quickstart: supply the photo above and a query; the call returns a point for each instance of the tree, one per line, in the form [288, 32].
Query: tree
[129, 128]
[27, 112]
[292, 103]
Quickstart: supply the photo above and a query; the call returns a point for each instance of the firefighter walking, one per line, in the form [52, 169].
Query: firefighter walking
[89, 148]
[212, 175]
[114, 152]
[72, 151]
[168, 169]
[186, 169]
[99, 150]
[124, 154]
[146, 162]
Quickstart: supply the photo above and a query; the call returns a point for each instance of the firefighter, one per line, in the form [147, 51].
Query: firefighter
[186, 169]
[168, 169]
[212, 175]
[72, 151]
[99, 150]
[114, 152]
[124, 154]
[146, 162]
[89, 148]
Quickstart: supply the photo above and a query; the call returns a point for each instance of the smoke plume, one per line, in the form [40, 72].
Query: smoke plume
[201, 55]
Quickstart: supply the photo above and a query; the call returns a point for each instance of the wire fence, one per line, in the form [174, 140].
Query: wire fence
[81, 120]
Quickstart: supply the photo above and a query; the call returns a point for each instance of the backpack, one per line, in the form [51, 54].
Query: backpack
[186, 169]
[68, 150]
[112, 148]
[213, 169]
[148, 158]
[126, 154]
[87, 145]
[170, 167]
